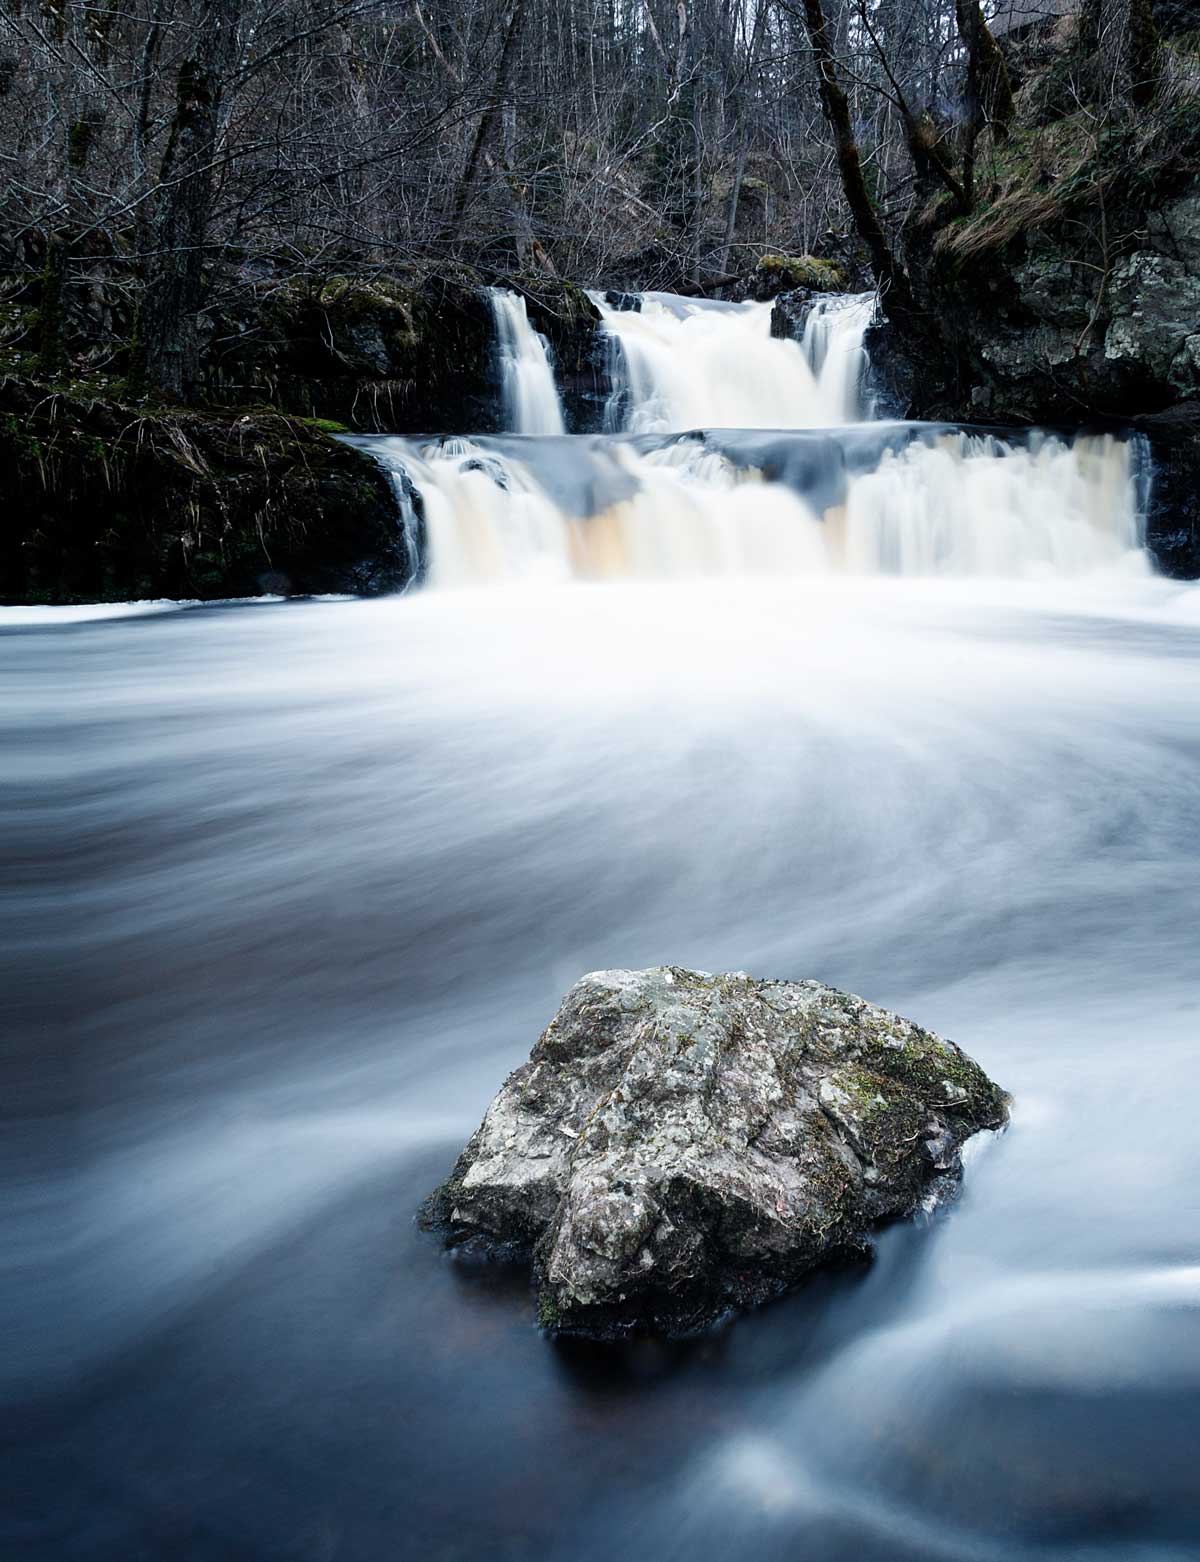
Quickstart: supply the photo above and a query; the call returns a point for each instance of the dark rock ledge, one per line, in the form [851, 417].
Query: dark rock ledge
[107, 501]
[681, 1145]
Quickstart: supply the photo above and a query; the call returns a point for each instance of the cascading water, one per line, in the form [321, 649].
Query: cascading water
[833, 347]
[730, 452]
[531, 401]
[685, 363]
[975, 505]
[904, 500]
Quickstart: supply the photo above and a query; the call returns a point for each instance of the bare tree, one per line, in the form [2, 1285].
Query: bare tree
[184, 203]
[166, 158]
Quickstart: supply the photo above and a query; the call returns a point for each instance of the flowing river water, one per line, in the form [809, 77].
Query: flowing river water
[292, 885]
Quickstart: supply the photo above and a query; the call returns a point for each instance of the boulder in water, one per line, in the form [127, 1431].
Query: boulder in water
[680, 1145]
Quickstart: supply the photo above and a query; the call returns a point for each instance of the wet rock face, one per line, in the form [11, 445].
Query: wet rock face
[1031, 337]
[790, 312]
[679, 1144]
[400, 354]
[109, 502]
[570, 322]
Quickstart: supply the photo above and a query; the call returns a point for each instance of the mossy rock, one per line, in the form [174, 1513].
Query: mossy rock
[110, 502]
[681, 1144]
[793, 271]
[399, 354]
[565, 316]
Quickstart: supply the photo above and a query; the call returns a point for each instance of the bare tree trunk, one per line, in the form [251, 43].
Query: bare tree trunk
[697, 193]
[989, 91]
[1142, 53]
[921, 134]
[1123, 34]
[487, 122]
[739, 90]
[735, 195]
[51, 324]
[166, 337]
[889, 274]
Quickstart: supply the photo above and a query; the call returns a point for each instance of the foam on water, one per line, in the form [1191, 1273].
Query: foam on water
[944, 503]
[288, 892]
[731, 452]
[684, 363]
[291, 890]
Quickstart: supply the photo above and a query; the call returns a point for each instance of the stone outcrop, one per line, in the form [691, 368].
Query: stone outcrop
[109, 502]
[116, 496]
[1070, 294]
[776, 274]
[790, 312]
[679, 1145]
[406, 355]
[1043, 338]
[565, 315]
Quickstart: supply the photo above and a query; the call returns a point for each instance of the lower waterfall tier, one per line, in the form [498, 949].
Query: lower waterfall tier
[874, 499]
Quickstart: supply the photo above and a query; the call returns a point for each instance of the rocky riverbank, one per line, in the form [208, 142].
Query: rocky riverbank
[118, 496]
[115, 495]
[1070, 294]
[109, 501]
[395, 354]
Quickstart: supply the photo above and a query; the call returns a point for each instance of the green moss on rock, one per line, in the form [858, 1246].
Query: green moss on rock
[680, 1144]
[821, 276]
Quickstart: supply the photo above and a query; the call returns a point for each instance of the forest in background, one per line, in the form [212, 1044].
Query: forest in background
[163, 157]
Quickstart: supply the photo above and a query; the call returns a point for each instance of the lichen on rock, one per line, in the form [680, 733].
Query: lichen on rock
[680, 1145]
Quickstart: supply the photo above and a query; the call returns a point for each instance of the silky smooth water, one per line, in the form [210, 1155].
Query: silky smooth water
[530, 398]
[730, 452]
[876, 499]
[679, 363]
[292, 886]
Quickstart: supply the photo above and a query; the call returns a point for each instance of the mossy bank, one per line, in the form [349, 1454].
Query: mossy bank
[1070, 293]
[112, 501]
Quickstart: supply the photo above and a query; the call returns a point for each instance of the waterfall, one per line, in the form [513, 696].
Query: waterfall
[833, 347]
[882, 499]
[531, 403]
[974, 505]
[693, 363]
[733, 453]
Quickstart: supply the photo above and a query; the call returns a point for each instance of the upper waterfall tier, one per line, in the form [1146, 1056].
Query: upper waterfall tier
[531, 402]
[680, 363]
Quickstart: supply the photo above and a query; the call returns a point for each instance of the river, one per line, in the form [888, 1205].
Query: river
[292, 886]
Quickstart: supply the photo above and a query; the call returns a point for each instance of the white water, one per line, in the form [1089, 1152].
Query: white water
[685, 363]
[947, 504]
[972, 505]
[861, 499]
[833, 349]
[527, 381]
[291, 887]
